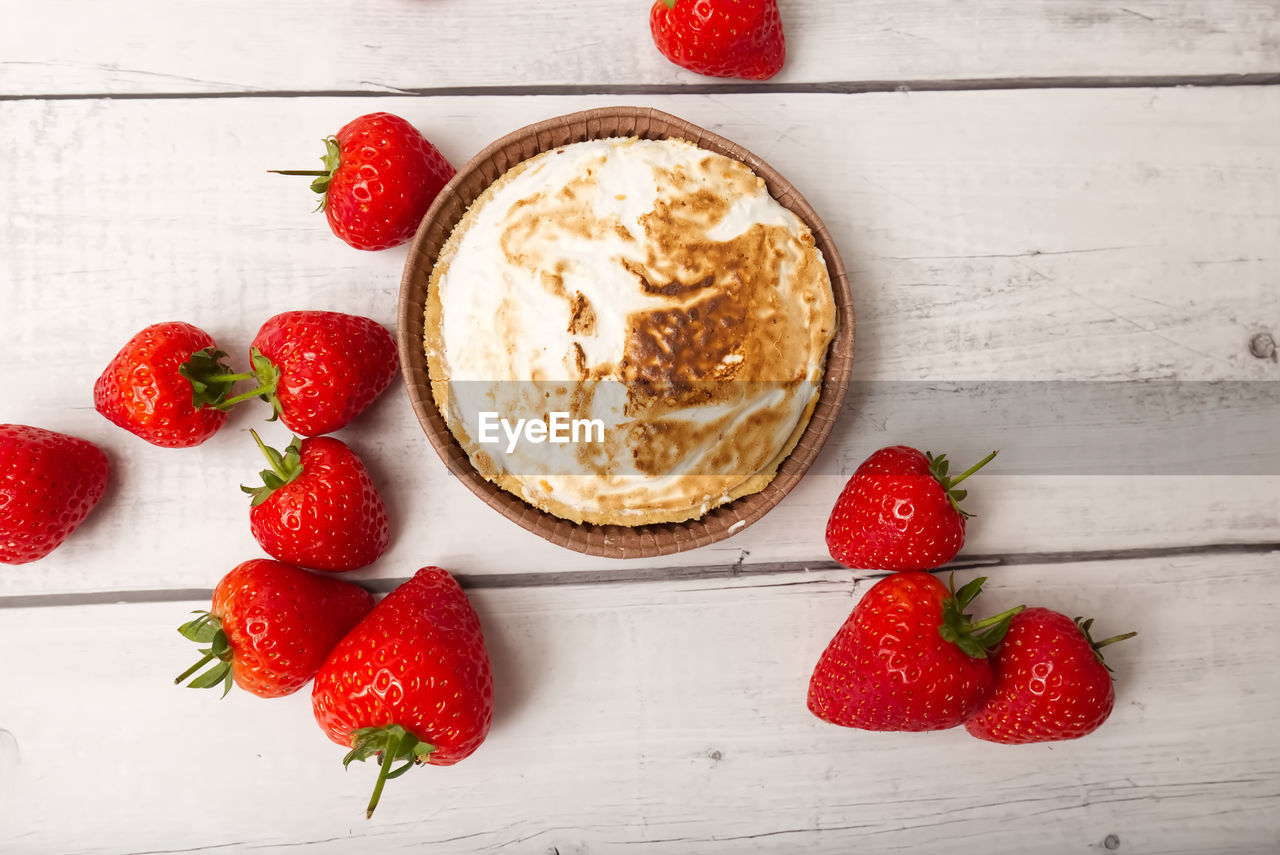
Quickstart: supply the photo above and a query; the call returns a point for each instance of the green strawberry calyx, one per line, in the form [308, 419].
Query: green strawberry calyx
[393, 743]
[1085, 625]
[265, 372]
[939, 465]
[332, 160]
[207, 629]
[210, 379]
[284, 468]
[671, 4]
[974, 638]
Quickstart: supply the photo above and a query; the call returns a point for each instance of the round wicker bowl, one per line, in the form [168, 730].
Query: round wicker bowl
[610, 541]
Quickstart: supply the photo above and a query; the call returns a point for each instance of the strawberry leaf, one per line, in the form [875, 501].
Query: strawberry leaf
[284, 469]
[212, 677]
[207, 629]
[1085, 626]
[958, 627]
[202, 629]
[968, 591]
[210, 379]
[995, 634]
[939, 466]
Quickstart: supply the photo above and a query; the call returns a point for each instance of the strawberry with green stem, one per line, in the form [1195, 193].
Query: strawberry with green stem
[168, 385]
[270, 627]
[908, 658]
[317, 369]
[317, 506]
[411, 683]
[900, 511]
[1051, 681]
[379, 178]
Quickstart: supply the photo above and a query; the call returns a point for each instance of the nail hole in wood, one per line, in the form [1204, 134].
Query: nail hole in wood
[1111, 843]
[1263, 346]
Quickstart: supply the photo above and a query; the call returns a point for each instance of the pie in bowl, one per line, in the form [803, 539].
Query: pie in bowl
[628, 331]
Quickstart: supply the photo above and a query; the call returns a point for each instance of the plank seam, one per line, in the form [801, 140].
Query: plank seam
[850, 87]
[735, 570]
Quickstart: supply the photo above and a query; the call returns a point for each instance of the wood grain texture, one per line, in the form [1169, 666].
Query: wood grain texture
[664, 718]
[150, 46]
[1008, 236]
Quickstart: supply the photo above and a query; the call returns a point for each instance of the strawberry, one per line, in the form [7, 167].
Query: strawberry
[49, 482]
[380, 176]
[907, 658]
[1051, 682]
[167, 385]
[270, 627]
[720, 38]
[411, 682]
[319, 370]
[899, 511]
[317, 507]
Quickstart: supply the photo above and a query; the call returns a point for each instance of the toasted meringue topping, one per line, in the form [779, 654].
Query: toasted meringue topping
[648, 284]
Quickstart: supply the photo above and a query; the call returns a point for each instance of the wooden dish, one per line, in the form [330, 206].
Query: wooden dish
[611, 540]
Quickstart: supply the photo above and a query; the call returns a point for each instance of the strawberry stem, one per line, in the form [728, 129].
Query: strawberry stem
[231, 402]
[974, 468]
[393, 743]
[384, 768]
[995, 619]
[268, 377]
[273, 456]
[194, 668]
[284, 468]
[938, 467]
[1085, 625]
[207, 629]
[1097, 645]
[332, 160]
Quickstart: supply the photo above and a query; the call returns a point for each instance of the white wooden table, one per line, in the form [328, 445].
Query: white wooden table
[1024, 192]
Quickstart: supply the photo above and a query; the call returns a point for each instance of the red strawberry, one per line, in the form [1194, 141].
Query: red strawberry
[899, 511]
[167, 385]
[380, 176]
[721, 38]
[1051, 682]
[907, 658]
[411, 682]
[271, 626]
[49, 482]
[319, 370]
[317, 507]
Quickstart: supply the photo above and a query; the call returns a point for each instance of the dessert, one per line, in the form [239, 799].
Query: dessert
[626, 331]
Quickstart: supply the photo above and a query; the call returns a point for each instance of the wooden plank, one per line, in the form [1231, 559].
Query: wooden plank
[149, 46]
[1002, 236]
[662, 717]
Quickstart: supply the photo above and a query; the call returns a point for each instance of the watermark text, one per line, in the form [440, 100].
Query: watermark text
[557, 428]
